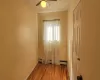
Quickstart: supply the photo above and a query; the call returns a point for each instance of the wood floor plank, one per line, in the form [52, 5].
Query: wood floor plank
[33, 73]
[49, 72]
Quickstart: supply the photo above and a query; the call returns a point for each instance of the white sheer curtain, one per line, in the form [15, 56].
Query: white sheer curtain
[51, 41]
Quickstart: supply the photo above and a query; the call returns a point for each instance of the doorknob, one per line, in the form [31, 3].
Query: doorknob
[79, 77]
[78, 59]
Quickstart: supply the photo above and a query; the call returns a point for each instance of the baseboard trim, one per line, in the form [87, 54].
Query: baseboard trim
[63, 62]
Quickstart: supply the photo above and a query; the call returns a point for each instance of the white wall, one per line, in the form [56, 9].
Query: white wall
[18, 39]
[90, 43]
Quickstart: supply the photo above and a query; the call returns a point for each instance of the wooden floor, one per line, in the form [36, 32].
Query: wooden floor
[49, 72]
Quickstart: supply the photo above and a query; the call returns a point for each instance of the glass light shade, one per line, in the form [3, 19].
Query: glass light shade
[43, 4]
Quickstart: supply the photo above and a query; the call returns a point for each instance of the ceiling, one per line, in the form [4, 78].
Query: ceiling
[53, 6]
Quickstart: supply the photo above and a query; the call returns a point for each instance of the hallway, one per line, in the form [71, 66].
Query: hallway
[49, 72]
[64, 32]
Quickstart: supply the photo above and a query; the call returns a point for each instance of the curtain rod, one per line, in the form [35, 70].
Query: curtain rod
[52, 20]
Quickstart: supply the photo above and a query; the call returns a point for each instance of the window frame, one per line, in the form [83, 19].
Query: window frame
[53, 30]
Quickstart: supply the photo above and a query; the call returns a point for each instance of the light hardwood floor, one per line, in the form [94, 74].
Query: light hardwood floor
[49, 72]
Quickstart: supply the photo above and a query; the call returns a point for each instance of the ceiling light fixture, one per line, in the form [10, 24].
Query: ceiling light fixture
[43, 4]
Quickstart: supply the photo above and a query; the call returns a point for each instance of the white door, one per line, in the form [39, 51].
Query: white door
[76, 40]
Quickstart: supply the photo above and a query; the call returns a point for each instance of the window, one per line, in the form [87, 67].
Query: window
[52, 30]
